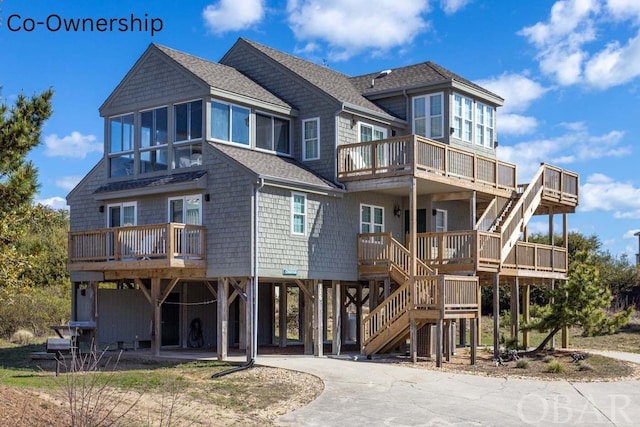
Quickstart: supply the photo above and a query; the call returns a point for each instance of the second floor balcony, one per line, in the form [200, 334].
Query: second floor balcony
[141, 247]
[422, 157]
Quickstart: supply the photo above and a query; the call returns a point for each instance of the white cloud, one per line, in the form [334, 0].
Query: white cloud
[624, 9]
[575, 145]
[233, 15]
[602, 193]
[68, 182]
[516, 124]
[572, 47]
[452, 6]
[518, 90]
[352, 26]
[630, 234]
[75, 145]
[614, 65]
[54, 202]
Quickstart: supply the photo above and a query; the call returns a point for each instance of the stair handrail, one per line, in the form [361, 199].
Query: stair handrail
[422, 269]
[509, 226]
[484, 218]
[386, 313]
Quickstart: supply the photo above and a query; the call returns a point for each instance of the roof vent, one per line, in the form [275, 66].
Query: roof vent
[379, 76]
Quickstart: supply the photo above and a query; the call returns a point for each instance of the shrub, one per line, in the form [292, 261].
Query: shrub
[512, 344]
[555, 367]
[584, 366]
[548, 359]
[22, 337]
[522, 364]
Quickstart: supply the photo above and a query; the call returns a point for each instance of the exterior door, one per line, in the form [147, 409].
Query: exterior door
[170, 323]
[421, 220]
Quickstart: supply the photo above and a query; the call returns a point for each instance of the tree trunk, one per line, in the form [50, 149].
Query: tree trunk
[544, 341]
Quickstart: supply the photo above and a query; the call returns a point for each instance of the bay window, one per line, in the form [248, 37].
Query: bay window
[188, 127]
[428, 119]
[484, 125]
[462, 117]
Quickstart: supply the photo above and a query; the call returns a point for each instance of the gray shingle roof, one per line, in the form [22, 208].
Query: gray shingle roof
[425, 73]
[268, 165]
[221, 76]
[333, 83]
[155, 181]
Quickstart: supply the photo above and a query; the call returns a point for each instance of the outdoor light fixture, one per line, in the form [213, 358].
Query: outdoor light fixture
[396, 210]
[452, 130]
[207, 197]
[101, 209]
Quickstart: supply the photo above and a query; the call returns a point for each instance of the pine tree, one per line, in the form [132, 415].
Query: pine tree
[582, 301]
[20, 130]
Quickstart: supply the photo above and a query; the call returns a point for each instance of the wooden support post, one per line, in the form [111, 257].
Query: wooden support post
[474, 343]
[157, 315]
[565, 337]
[184, 312]
[95, 286]
[308, 323]
[496, 315]
[374, 292]
[242, 323]
[336, 339]
[463, 332]
[282, 309]
[318, 317]
[515, 309]
[359, 316]
[447, 340]
[413, 338]
[344, 316]
[439, 342]
[479, 328]
[248, 315]
[387, 288]
[526, 301]
[552, 342]
[223, 319]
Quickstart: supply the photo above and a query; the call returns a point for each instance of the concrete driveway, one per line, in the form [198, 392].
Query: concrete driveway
[361, 393]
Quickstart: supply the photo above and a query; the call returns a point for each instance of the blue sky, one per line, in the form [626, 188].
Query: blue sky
[569, 71]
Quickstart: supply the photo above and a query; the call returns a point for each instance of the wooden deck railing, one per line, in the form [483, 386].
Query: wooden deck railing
[537, 257]
[473, 250]
[405, 155]
[143, 242]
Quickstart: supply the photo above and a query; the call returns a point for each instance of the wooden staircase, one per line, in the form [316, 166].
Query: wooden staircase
[432, 295]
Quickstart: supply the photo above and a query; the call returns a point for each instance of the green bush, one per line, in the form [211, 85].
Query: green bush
[522, 364]
[555, 368]
[548, 359]
[34, 308]
[584, 366]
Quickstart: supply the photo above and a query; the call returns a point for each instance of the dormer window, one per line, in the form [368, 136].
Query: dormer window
[272, 133]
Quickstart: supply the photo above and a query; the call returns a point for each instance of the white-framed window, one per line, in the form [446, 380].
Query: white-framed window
[153, 140]
[441, 220]
[187, 119]
[121, 145]
[371, 219]
[311, 139]
[484, 125]
[462, 117]
[368, 132]
[122, 214]
[298, 213]
[230, 122]
[428, 119]
[272, 133]
[186, 209]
